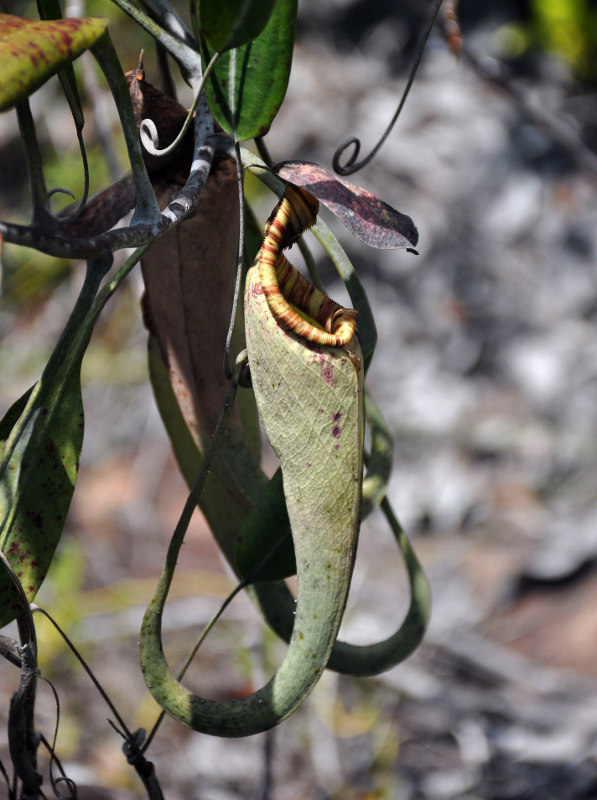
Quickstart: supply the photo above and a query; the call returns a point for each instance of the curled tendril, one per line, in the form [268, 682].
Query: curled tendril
[352, 165]
[71, 787]
[60, 190]
[149, 133]
[149, 137]
[346, 169]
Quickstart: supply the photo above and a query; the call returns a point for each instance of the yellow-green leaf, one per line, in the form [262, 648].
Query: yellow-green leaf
[31, 51]
[37, 481]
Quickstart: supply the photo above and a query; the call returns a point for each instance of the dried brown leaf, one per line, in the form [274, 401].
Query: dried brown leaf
[368, 218]
[189, 278]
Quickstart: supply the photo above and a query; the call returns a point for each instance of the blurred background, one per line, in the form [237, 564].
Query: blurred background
[486, 370]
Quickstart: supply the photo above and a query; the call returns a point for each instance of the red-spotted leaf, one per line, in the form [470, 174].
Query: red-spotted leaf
[38, 471]
[366, 217]
[31, 51]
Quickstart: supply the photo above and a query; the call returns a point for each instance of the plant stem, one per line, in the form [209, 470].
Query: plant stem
[37, 182]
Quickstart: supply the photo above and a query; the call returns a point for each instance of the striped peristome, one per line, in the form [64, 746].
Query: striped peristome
[285, 287]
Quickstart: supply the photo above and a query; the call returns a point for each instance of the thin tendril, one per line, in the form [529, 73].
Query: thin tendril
[87, 669]
[61, 190]
[263, 151]
[239, 265]
[54, 760]
[5, 774]
[148, 130]
[352, 165]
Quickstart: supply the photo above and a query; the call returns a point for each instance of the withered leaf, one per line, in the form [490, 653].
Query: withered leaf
[110, 205]
[371, 220]
[103, 210]
[168, 116]
[189, 277]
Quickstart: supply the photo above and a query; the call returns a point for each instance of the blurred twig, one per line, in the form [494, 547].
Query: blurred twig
[529, 106]
[559, 131]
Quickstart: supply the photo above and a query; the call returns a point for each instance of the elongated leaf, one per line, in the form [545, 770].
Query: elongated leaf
[189, 275]
[36, 487]
[41, 437]
[371, 220]
[249, 83]
[231, 23]
[379, 465]
[31, 51]
[50, 9]
[222, 510]
[256, 543]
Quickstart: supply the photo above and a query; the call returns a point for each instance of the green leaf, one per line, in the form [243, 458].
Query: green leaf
[264, 548]
[231, 23]
[379, 465]
[257, 543]
[31, 51]
[41, 438]
[248, 84]
[37, 480]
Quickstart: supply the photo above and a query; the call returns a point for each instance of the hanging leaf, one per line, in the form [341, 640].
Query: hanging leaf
[369, 219]
[37, 479]
[232, 23]
[249, 83]
[31, 51]
[50, 10]
[40, 444]
[189, 276]
[381, 458]
[222, 510]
